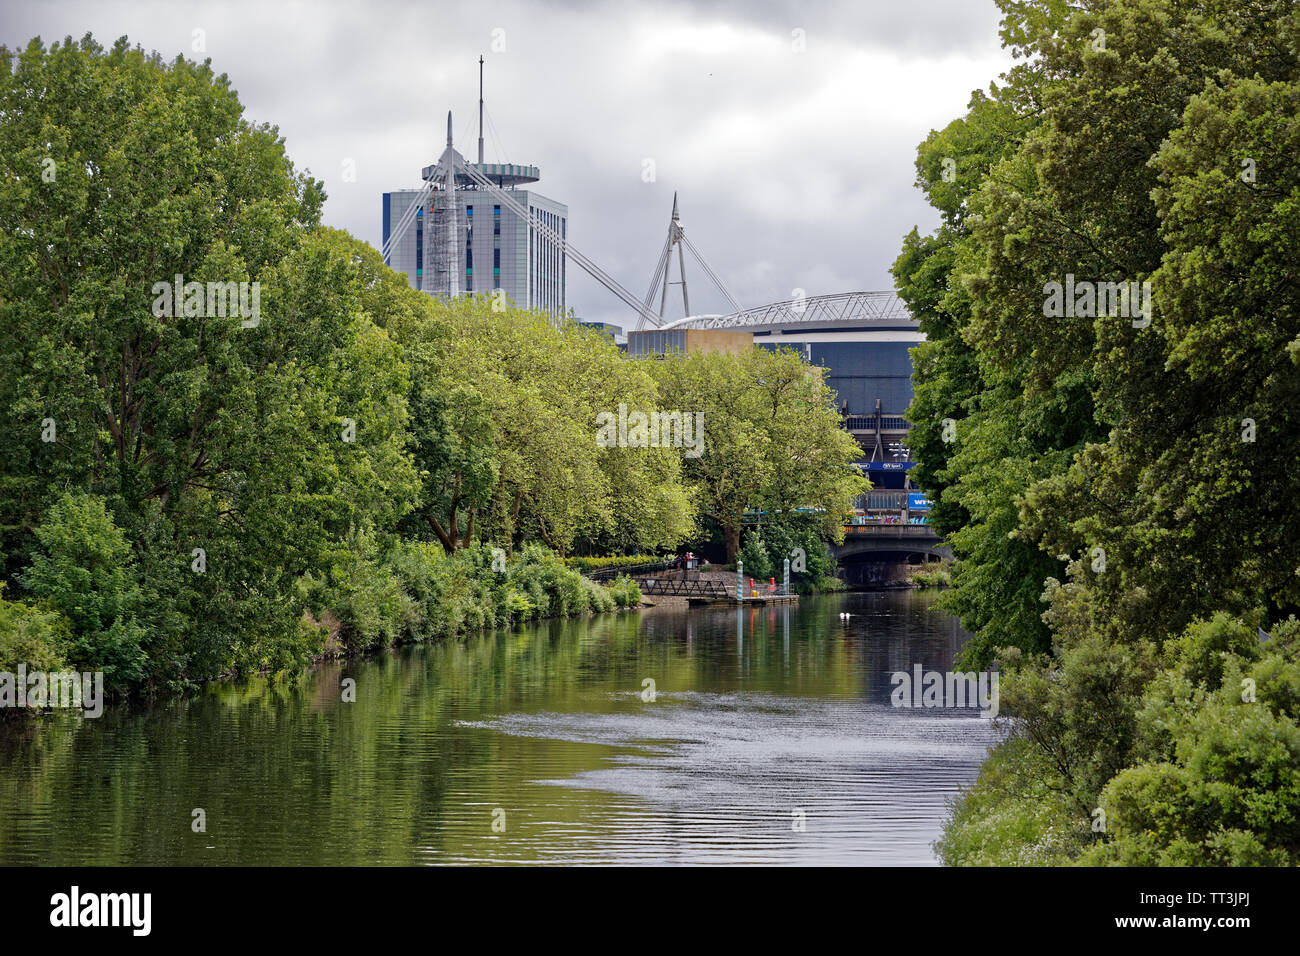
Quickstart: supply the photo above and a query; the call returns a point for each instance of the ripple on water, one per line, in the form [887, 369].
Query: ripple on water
[721, 777]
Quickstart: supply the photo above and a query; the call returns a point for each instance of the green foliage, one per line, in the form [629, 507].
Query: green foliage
[773, 438]
[1220, 782]
[505, 405]
[625, 592]
[768, 545]
[551, 588]
[82, 568]
[367, 597]
[754, 554]
[1012, 817]
[34, 636]
[413, 591]
[613, 561]
[599, 599]
[936, 575]
[1123, 493]
[202, 432]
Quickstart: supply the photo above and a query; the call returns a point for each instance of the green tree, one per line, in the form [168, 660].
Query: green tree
[83, 569]
[772, 438]
[235, 452]
[505, 435]
[1154, 460]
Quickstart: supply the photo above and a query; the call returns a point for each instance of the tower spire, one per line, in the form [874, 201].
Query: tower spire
[448, 129]
[480, 109]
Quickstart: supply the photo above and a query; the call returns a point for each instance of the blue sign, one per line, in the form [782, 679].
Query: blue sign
[917, 501]
[885, 465]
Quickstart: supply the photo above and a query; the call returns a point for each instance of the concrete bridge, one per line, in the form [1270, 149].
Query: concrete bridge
[875, 554]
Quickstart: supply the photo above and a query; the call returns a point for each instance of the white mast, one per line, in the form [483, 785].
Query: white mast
[448, 163]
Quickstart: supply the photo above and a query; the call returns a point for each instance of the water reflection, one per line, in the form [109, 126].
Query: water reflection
[763, 718]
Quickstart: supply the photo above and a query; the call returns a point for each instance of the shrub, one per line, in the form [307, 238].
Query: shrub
[452, 593]
[935, 575]
[83, 568]
[599, 598]
[364, 595]
[614, 561]
[625, 592]
[817, 585]
[517, 605]
[555, 590]
[414, 565]
[33, 636]
[758, 564]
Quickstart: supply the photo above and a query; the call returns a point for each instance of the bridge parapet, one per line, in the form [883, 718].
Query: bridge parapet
[921, 531]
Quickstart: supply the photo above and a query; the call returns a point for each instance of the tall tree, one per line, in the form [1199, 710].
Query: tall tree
[236, 448]
[772, 437]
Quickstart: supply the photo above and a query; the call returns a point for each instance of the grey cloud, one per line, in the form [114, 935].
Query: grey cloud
[795, 170]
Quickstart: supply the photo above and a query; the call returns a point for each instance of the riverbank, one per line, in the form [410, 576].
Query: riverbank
[750, 717]
[413, 593]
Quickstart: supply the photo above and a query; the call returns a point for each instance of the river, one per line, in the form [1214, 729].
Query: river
[769, 739]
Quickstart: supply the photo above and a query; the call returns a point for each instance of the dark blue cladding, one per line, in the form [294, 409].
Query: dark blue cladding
[861, 372]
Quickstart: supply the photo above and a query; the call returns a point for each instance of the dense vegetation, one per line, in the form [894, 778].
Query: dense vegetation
[187, 492]
[1121, 494]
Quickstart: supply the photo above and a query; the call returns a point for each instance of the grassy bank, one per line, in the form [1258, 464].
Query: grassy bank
[409, 592]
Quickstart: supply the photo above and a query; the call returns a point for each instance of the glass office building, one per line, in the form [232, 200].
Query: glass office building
[493, 247]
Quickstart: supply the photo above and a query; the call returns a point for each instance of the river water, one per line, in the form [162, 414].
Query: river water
[770, 738]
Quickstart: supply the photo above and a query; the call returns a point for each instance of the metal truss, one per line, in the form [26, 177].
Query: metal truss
[842, 308]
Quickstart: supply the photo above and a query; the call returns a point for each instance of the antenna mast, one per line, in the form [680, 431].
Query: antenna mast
[675, 237]
[480, 109]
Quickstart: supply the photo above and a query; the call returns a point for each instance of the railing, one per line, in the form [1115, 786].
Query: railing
[881, 501]
[671, 587]
[890, 531]
[631, 570]
[867, 423]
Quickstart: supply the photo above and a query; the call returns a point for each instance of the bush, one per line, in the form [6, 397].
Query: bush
[415, 592]
[32, 636]
[413, 564]
[364, 595]
[758, 564]
[614, 561]
[517, 605]
[599, 598]
[83, 569]
[625, 592]
[934, 575]
[555, 590]
[817, 585]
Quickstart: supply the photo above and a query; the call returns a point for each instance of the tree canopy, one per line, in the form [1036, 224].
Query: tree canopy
[1114, 486]
[236, 440]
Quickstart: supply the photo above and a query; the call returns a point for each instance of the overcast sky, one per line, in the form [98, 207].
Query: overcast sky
[794, 166]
